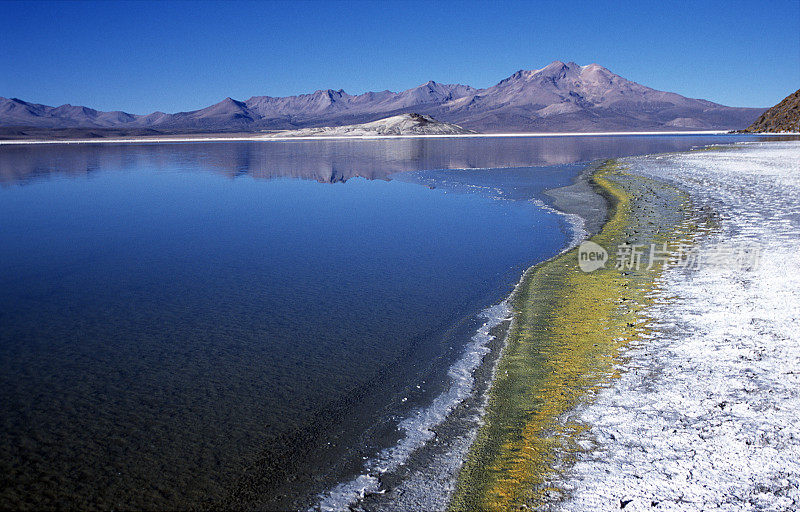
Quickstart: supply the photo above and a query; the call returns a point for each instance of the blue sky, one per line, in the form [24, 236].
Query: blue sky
[140, 56]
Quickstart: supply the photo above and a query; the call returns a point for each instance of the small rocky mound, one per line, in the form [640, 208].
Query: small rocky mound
[783, 117]
[403, 124]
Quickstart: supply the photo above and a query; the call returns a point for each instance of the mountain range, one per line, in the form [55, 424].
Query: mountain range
[558, 97]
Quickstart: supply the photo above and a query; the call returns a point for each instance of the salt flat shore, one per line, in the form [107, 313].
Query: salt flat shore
[563, 344]
[273, 138]
[704, 414]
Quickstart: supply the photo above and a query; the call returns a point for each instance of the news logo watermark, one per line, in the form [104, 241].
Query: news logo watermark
[739, 256]
[591, 256]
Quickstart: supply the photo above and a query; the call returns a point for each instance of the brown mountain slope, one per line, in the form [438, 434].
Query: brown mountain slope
[783, 117]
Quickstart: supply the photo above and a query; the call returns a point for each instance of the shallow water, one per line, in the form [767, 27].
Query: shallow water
[176, 330]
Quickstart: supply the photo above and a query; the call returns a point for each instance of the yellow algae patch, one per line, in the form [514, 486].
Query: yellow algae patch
[563, 346]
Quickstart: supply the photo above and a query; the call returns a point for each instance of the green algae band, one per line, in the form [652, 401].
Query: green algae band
[563, 346]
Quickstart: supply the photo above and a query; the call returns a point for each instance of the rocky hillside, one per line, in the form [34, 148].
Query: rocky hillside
[783, 117]
[404, 124]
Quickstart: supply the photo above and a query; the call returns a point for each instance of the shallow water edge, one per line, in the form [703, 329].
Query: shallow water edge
[420, 470]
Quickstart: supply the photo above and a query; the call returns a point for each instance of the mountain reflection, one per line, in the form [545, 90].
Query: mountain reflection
[330, 161]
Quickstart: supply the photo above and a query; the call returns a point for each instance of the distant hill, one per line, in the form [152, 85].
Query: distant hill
[783, 117]
[403, 124]
[559, 97]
